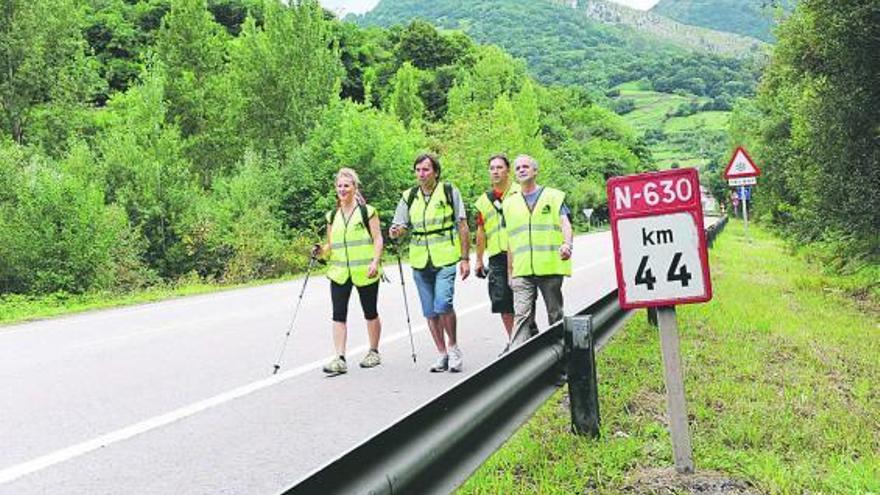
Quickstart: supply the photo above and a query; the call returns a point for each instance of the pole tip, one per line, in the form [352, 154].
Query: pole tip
[276, 368]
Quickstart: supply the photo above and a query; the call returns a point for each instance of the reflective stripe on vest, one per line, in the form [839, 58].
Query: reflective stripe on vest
[534, 236]
[351, 248]
[434, 233]
[496, 237]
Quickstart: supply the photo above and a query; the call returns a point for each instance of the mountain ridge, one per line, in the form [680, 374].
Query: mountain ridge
[667, 29]
[755, 18]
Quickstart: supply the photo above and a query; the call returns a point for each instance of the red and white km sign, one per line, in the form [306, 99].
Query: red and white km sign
[659, 241]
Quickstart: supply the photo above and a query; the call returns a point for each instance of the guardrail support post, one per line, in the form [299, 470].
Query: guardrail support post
[652, 317]
[583, 391]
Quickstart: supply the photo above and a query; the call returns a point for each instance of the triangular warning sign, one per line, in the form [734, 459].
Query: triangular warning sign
[741, 165]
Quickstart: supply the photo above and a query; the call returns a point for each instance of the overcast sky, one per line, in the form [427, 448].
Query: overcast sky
[359, 6]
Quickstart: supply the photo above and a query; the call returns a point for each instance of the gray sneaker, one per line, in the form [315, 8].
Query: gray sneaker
[455, 359]
[372, 359]
[336, 366]
[441, 365]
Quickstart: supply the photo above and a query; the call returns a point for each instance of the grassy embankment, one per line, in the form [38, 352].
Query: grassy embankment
[781, 377]
[688, 140]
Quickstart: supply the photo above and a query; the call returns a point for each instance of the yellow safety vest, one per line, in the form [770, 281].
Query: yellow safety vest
[534, 236]
[434, 230]
[351, 248]
[493, 219]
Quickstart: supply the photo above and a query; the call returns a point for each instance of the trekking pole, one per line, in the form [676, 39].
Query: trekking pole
[412, 345]
[277, 365]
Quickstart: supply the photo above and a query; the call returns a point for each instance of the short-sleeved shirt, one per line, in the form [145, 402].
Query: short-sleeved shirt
[401, 214]
[532, 198]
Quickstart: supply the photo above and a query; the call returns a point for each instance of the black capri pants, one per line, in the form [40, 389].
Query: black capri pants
[341, 293]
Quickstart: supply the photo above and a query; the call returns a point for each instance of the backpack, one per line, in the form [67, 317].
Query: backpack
[447, 191]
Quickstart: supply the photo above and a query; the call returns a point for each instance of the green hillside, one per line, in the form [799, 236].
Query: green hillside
[563, 46]
[754, 18]
[673, 126]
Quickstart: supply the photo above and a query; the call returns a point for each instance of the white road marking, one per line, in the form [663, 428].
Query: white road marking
[17, 471]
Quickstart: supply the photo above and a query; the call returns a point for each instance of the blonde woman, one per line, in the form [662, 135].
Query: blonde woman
[354, 249]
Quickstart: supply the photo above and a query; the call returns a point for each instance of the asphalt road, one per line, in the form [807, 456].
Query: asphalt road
[178, 396]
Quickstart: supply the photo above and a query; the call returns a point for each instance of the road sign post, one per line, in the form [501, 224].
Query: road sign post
[675, 403]
[742, 172]
[661, 260]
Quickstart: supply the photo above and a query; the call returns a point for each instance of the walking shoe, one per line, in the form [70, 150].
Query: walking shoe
[441, 365]
[371, 359]
[336, 366]
[455, 359]
[533, 330]
[505, 350]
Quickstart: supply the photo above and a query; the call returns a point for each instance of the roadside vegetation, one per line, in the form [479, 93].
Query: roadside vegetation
[780, 378]
[813, 129]
[194, 142]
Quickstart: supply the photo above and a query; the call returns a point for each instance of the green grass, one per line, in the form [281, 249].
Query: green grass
[781, 380]
[710, 120]
[684, 135]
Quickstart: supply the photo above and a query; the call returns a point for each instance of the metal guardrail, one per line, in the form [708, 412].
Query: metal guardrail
[714, 230]
[437, 447]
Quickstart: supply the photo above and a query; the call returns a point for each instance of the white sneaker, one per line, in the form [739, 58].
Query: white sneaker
[455, 359]
[441, 365]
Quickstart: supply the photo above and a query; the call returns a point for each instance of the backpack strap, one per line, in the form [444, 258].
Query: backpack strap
[447, 190]
[365, 219]
[411, 196]
[490, 195]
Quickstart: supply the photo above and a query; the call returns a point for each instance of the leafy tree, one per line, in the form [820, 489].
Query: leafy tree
[372, 142]
[813, 129]
[494, 73]
[146, 173]
[405, 101]
[44, 60]
[116, 42]
[426, 48]
[191, 46]
[237, 233]
[286, 72]
[56, 231]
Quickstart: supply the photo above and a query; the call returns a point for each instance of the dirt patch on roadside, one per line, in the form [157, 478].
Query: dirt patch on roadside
[668, 482]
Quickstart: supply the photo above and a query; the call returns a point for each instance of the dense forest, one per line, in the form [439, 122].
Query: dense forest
[150, 141]
[756, 18]
[815, 130]
[144, 142]
[562, 46]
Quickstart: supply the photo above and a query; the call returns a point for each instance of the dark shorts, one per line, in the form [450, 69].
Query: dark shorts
[499, 290]
[339, 295]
